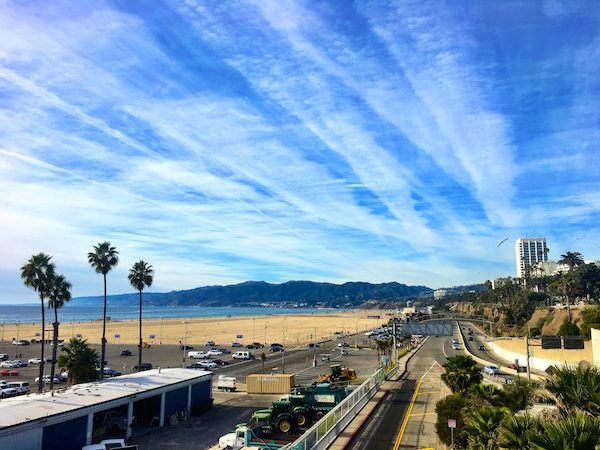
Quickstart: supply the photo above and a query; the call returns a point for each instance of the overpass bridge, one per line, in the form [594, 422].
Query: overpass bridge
[439, 324]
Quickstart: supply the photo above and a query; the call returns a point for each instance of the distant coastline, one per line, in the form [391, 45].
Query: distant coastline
[27, 314]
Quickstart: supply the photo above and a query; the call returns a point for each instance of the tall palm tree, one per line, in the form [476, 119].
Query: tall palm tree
[141, 275]
[571, 259]
[36, 274]
[461, 373]
[103, 259]
[59, 294]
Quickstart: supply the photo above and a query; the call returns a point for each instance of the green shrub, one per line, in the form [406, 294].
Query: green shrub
[451, 407]
[568, 328]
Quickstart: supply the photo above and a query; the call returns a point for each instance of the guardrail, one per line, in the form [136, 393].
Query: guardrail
[322, 434]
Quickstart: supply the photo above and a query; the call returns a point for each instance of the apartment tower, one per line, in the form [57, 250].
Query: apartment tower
[529, 251]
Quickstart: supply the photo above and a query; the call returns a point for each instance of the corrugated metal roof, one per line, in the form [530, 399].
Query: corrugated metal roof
[17, 410]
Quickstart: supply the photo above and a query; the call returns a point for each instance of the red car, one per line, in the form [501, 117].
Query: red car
[9, 372]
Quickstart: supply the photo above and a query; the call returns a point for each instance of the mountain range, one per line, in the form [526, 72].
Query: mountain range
[252, 293]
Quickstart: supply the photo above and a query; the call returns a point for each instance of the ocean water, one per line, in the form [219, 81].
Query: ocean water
[32, 313]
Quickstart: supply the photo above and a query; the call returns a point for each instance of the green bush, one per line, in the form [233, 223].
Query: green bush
[535, 331]
[568, 328]
[451, 407]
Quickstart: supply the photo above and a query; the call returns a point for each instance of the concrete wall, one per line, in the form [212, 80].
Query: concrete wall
[514, 348]
[596, 346]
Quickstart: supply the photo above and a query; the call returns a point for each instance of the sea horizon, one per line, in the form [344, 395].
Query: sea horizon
[30, 313]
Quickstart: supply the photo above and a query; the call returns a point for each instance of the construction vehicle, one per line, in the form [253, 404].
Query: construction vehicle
[300, 408]
[336, 374]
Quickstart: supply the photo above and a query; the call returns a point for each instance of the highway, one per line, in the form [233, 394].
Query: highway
[405, 417]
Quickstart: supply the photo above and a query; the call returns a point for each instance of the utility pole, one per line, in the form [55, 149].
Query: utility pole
[394, 352]
[315, 347]
[527, 350]
[184, 344]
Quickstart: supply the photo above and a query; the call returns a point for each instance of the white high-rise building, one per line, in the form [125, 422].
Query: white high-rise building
[529, 251]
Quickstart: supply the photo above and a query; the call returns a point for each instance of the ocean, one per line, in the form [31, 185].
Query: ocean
[32, 313]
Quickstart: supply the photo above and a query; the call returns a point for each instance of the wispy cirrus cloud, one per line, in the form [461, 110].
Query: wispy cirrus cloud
[330, 141]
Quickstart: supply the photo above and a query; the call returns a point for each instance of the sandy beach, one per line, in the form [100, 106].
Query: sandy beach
[293, 329]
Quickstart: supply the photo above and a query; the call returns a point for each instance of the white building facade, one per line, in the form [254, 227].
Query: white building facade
[529, 251]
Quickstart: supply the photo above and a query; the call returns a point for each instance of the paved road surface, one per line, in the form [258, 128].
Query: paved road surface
[405, 418]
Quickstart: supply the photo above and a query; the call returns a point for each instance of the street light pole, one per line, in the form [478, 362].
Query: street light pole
[184, 345]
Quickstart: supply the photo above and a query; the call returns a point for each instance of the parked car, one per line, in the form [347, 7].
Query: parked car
[9, 372]
[9, 364]
[258, 345]
[236, 344]
[22, 387]
[196, 354]
[63, 376]
[35, 361]
[242, 354]
[276, 348]
[196, 365]
[481, 347]
[106, 444]
[108, 372]
[313, 345]
[186, 347]
[214, 352]
[21, 362]
[220, 362]
[125, 353]
[46, 379]
[455, 347]
[144, 366]
[3, 356]
[21, 342]
[7, 391]
[208, 365]
[210, 343]
[225, 351]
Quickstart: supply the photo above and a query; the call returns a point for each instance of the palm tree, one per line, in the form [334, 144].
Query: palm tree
[489, 393]
[573, 432]
[36, 274]
[140, 275]
[461, 373]
[571, 259]
[79, 359]
[482, 427]
[516, 432]
[103, 259]
[576, 388]
[59, 294]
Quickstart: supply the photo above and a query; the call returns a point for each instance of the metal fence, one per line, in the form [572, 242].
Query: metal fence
[326, 430]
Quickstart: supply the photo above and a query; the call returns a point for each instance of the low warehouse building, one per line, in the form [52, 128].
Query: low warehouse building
[121, 407]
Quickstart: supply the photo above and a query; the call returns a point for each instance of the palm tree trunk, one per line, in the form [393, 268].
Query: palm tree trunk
[103, 352]
[54, 348]
[140, 343]
[41, 383]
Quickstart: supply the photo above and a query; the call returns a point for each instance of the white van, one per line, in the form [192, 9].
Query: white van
[196, 355]
[242, 355]
[22, 387]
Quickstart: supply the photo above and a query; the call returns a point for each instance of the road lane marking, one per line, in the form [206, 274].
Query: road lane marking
[410, 408]
[422, 414]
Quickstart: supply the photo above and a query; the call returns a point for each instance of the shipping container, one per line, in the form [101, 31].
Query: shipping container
[269, 384]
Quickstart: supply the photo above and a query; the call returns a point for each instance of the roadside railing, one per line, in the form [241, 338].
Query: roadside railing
[325, 431]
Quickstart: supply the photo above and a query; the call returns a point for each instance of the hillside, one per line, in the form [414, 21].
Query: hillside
[257, 292]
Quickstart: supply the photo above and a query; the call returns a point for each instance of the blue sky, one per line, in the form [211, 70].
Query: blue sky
[277, 140]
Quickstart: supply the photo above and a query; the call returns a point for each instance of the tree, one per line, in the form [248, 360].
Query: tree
[565, 285]
[588, 281]
[482, 427]
[263, 358]
[461, 373]
[522, 305]
[36, 274]
[141, 275]
[488, 393]
[571, 259]
[519, 394]
[103, 259]
[59, 294]
[451, 407]
[79, 359]
[576, 388]
[591, 319]
[568, 328]
[573, 432]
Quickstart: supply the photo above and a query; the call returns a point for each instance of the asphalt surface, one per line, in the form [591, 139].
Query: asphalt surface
[382, 429]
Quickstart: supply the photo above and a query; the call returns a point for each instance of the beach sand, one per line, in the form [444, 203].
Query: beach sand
[288, 330]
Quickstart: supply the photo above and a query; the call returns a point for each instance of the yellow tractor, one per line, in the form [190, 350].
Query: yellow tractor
[337, 373]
